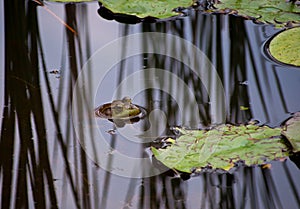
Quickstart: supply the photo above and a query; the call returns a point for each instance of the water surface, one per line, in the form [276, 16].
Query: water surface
[42, 161]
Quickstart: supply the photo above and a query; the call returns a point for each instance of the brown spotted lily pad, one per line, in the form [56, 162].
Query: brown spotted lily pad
[222, 147]
[145, 8]
[291, 131]
[277, 12]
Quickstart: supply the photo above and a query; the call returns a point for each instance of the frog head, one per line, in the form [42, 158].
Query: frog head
[124, 108]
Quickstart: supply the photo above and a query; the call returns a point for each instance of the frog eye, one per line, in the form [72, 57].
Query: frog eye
[126, 100]
[119, 106]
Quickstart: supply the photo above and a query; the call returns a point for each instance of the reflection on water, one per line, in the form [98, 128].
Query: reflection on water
[42, 163]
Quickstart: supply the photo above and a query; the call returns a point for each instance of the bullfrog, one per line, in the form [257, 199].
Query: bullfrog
[124, 108]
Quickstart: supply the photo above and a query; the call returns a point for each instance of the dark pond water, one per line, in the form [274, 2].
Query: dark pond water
[193, 71]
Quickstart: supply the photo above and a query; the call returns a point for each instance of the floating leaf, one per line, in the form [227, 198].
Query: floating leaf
[222, 147]
[270, 11]
[71, 1]
[144, 8]
[285, 46]
[291, 131]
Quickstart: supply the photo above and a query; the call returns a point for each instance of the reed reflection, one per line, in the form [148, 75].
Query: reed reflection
[25, 163]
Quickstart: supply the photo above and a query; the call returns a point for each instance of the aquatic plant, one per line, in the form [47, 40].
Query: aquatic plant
[225, 146]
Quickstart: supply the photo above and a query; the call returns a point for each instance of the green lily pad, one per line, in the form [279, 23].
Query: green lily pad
[222, 147]
[291, 131]
[267, 11]
[144, 8]
[285, 46]
[71, 1]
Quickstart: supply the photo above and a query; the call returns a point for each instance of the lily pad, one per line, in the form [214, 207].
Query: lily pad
[145, 8]
[223, 147]
[291, 131]
[71, 1]
[268, 11]
[285, 47]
